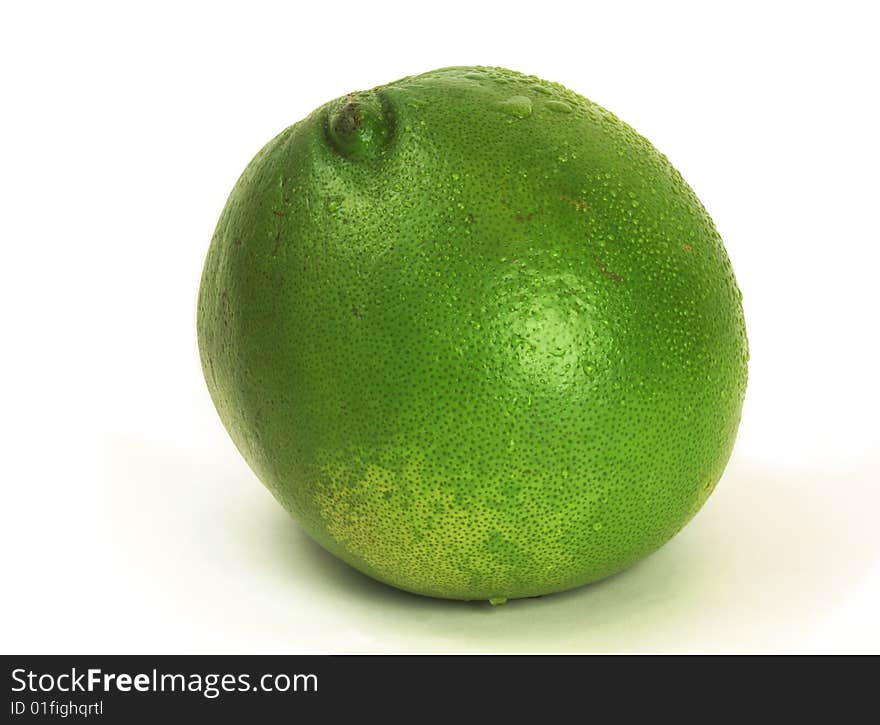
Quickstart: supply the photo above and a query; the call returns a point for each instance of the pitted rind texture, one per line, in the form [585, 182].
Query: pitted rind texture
[502, 356]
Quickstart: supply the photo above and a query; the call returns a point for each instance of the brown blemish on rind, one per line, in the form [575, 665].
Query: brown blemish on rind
[579, 204]
[607, 272]
[687, 247]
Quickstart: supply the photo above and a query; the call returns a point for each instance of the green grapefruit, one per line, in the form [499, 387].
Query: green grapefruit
[475, 333]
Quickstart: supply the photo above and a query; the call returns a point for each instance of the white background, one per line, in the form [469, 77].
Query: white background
[130, 522]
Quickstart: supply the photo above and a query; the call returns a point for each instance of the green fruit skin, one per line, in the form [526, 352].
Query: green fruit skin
[475, 334]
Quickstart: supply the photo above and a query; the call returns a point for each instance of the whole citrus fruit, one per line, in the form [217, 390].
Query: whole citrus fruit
[475, 333]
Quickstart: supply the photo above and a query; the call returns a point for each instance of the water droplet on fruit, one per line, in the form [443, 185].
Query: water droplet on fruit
[517, 106]
[558, 107]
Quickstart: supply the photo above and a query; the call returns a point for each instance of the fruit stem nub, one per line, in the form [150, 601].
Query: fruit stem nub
[358, 125]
